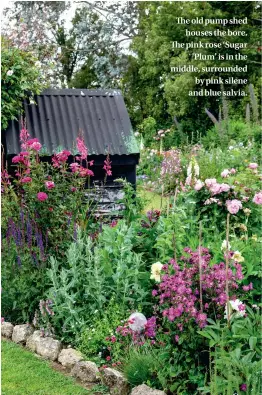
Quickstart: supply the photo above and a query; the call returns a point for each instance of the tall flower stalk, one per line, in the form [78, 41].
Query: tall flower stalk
[200, 267]
[227, 267]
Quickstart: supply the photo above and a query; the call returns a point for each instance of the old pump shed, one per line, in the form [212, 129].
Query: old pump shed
[101, 115]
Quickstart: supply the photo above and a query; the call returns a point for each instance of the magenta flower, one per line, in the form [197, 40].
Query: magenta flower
[243, 387]
[17, 159]
[50, 184]
[82, 149]
[26, 180]
[233, 206]
[60, 158]
[33, 144]
[74, 167]
[177, 338]
[257, 198]
[107, 166]
[73, 189]
[42, 196]
[233, 171]
[85, 172]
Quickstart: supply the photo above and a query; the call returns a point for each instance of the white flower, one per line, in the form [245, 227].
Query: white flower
[238, 257]
[224, 245]
[225, 173]
[137, 322]
[234, 306]
[155, 271]
[10, 72]
[38, 64]
[136, 134]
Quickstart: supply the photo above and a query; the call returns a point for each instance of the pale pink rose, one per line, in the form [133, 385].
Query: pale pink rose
[224, 187]
[50, 184]
[225, 173]
[233, 206]
[257, 198]
[215, 189]
[233, 171]
[253, 165]
[210, 181]
[199, 184]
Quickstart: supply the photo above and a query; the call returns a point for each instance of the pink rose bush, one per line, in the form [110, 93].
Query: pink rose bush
[42, 196]
[257, 198]
[233, 206]
[41, 188]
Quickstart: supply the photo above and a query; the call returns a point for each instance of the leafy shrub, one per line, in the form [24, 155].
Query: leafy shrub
[237, 130]
[93, 272]
[19, 75]
[235, 353]
[93, 341]
[23, 284]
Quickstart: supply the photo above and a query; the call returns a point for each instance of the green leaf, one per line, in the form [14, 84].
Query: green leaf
[252, 342]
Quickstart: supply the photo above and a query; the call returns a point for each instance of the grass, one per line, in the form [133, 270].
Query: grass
[23, 373]
[152, 199]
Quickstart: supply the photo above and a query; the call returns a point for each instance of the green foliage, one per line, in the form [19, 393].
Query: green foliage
[102, 324]
[148, 129]
[158, 92]
[237, 131]
[141, 367]
[235, 353]
[132, 203]
[20, 76]
[94, 272]
[23, 285]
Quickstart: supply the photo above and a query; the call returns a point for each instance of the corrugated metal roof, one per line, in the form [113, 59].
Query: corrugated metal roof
[59, 114]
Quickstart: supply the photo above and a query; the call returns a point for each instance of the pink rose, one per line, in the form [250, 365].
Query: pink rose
[50, 184]
[225, 173]
[199, 184]
[215, 188]
[36, 146]
[253, 165]
[257, 198]
[224, 187]
[210, 181]
[233, 206]
[42, 196]
[25, 180]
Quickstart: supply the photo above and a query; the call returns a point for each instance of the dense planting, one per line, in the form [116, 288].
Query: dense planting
[175, 289]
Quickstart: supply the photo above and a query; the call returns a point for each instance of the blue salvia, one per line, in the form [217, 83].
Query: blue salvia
[39, 242]
[29, 232]
[22, 217]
